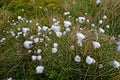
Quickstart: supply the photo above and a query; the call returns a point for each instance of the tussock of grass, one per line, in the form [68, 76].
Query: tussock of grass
[16, 62]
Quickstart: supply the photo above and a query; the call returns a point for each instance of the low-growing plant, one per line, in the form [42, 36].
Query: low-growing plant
[45, 40]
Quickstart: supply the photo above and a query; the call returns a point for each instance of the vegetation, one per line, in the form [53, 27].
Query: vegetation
[28, 20]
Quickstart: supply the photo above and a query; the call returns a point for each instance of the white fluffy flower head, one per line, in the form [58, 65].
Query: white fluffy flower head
[101, 30]
[81, 19]
[34, 57]
[100, 22]
[58, 34]
[28, 44]
[36, 40]
[39, 57]
[10, 78]
[90, 60]
[54, 50]
[39, 51]
[39, 69]
[96, 44]
[98, 1]
[55, 45]
[66, 13]
[77, 58]
[80, 36]
[67, 23]
[72, 47]
[115, 64]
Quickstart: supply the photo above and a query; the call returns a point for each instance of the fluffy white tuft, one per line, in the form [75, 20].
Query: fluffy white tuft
[39, 51]
[28, 44]
[54, 50]
[39, 69]
[10, 78]
[90, 60]
[101, 30]
[81, 19]
[39, 57]
[34, 57]
[80, 36]
[115, 64]
[77, 58]
[67, 24]
[55, 45]
[96, 44]
[100, 22]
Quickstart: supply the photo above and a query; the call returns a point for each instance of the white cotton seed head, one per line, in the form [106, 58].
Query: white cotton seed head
[41, 39]
[18, 29]
[87, 20]
[29, 51]
[96, 44]
[34, 57]
[44, 28]
[81, 29]
[10, 78]
[79, 43]
[77, 58]
[67, 23]
[107, 26]
[118, 43]
[80, 36]
[32, 37]
[39, 69]
[101, 30]
[72, 47]
[98, 1]
[118, 48]
[39, 57]
[25, 30]
[55, 45]
[37, 24]
[19, 17]
[66, 13]
[90, 60]
[39, 51]
[104, 17]
[115, 64]
[67, 30]
[81, 19]
[54, 20]
[55, 28]
[119, 36]
[36, 40]
[100, 66]
[30, 21]
[100, 22]
[58, 34]
[3, 39]
[54, 50]
[64, 33]
[93, 25]
[28, 44]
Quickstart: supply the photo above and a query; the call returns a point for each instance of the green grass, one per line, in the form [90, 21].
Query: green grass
[16, 62]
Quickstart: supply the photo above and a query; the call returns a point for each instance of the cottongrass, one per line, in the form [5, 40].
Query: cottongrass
[90, 60]
[10, 78]
[77, 58]
[115, 64]
[96, 44]
[39, 51]
[39, 69]
[54, 50]
[28, 44]
[101, 30]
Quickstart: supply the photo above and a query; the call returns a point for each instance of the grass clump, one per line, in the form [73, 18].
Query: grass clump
[48, 40]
